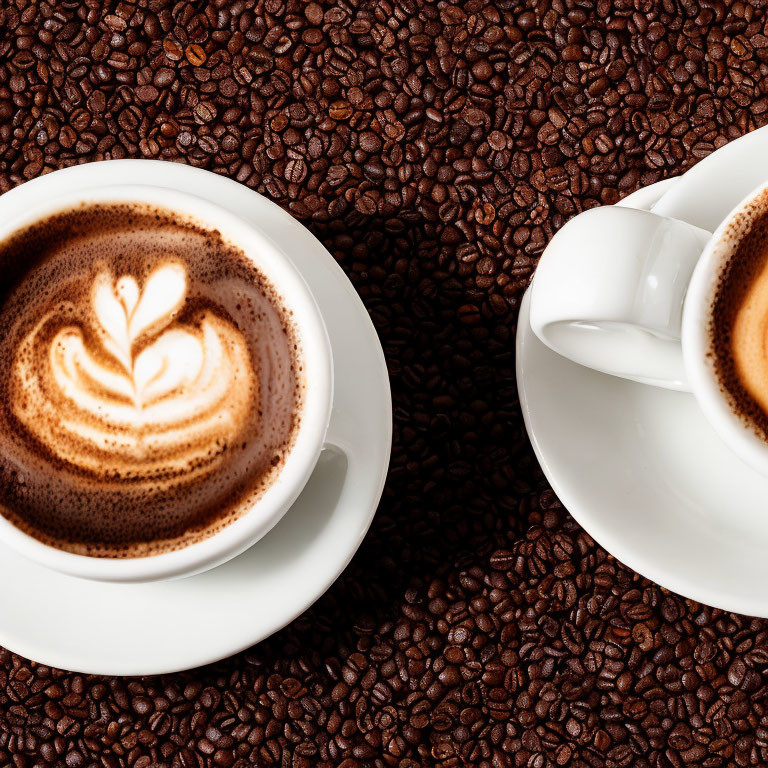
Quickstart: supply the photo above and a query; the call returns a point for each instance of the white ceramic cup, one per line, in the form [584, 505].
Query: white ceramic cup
[316, 407]
[630, 293]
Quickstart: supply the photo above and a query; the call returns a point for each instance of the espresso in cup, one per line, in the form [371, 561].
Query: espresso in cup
[150, 381]
[739, 319]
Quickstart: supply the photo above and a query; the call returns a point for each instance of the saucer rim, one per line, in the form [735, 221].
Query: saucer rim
[41, 646]
[661, 573]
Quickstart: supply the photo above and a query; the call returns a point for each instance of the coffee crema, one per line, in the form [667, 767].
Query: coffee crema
[150, 381]
[738, 329]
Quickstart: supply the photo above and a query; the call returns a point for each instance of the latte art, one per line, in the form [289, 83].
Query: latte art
[150, 381]
[137, 391]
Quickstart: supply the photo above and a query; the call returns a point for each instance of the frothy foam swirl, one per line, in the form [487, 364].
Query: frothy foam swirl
[135, 394]
[151, 382]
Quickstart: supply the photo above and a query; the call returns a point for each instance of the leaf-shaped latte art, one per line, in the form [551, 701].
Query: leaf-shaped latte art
[125, 313]
[155, 395]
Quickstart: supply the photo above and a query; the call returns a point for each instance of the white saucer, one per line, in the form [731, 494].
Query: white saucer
[142, 629]
[639, 467]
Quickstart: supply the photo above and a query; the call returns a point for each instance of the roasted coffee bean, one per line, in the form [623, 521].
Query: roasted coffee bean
[172, 49]
[434, 150]
[195, 55]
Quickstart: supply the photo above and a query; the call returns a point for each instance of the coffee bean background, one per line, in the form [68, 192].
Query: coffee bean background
[434, 148]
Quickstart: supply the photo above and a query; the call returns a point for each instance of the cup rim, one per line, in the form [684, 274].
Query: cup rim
[699, 365]
[266, 510]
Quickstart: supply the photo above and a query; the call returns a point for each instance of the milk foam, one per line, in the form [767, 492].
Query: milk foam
[150, 384]
[145, 391]
[738, 328]
[749, 339]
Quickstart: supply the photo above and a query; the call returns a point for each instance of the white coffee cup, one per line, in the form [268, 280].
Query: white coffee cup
[315, 413]
[630, 293]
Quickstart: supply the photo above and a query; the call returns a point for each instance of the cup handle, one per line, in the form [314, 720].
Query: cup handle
[609, 289]
[340, 434]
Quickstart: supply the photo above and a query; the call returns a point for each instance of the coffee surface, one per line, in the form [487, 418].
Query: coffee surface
[739, 322]
[149, 381]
